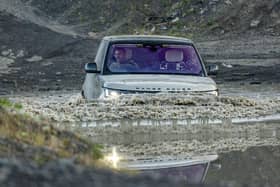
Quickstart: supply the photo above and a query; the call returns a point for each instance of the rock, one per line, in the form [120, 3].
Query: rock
[153, 29]
[203, 10]
[254, 23]
[228, 2]
[4, 64]
[47, 63]
[136, 32]
[43, 80]
[7, 52]
[92, 34]
[185, 28]
[175, 20]
[20, 54]
[58, 73]
[34, 58]
[227, 65]
[163, 27]
[213, 2]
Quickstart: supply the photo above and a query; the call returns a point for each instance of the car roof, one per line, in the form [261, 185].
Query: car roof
[138, 38]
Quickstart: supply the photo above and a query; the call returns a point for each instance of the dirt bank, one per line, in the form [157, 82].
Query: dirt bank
[21, 136]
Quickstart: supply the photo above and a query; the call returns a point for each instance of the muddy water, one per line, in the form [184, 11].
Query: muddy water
[249, 152]
[72, 108]
[257, 166]
[179, 139]
[182, 127]
[257, 90]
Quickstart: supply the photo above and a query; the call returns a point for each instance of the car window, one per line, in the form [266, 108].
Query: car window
[162, 59]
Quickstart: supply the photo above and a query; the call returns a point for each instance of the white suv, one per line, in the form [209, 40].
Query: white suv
[146, 64]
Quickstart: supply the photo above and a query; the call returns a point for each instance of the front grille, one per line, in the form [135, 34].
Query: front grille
[167, 89]
[137, 92]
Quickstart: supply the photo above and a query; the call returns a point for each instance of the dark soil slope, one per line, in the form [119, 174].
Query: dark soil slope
[46, 43]
[41, 56]
[181, 17]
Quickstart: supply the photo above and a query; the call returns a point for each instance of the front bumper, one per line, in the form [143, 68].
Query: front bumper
[114, 93]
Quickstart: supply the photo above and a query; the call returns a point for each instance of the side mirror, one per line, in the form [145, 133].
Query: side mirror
[91, 68]
[212, 69]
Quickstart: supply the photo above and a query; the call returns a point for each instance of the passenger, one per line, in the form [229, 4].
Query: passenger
[120, 63]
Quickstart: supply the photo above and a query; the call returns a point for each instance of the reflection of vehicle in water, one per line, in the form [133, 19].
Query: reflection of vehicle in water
[192, 171]
[146, 64]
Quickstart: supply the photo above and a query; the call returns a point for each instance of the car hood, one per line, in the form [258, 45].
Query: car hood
[158, 83]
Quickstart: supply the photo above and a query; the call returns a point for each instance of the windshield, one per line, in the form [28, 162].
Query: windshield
[153, 59]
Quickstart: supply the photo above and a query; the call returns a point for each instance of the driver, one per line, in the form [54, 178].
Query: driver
[120, 63]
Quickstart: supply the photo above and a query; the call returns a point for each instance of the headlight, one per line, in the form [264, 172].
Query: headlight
[111, 93]
[215, 92]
